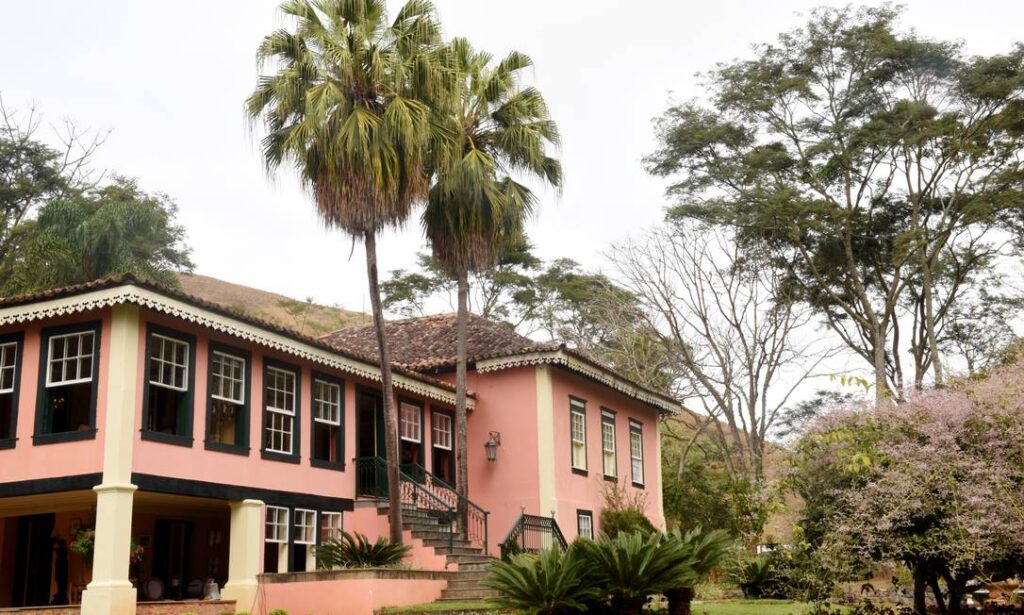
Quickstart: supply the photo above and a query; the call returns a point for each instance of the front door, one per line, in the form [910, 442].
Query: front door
[172, 555]
[371, 477]
[33, 564]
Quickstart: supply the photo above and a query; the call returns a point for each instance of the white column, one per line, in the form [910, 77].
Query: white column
[110, 592]
[547, 496]
[244, 554]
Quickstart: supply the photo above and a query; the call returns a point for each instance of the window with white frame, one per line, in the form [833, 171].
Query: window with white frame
[68, 398]
[9, 356]
[584, 524]
[227, 423]
[168, 398]
[330, 527]
[411, 428]
[442, 459]
[636, 452]
[327, 438]
[578, 433]
[275, 552]
[305, 527]
[280, 410]
[608, 444]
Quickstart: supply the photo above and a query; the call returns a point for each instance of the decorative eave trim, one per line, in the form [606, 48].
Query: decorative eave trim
[131, 294]
[566, 360]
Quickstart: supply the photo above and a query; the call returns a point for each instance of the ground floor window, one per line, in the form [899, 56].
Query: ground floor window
[584, 524]
[330, 527]
[275, 551]
[304, 541]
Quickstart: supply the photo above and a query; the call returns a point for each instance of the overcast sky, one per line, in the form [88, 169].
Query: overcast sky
[169, 78]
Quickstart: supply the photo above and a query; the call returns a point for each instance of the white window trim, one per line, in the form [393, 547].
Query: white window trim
[636, 430]
[228, 355]
[579, 526]
[299, 513]
[434, 430]
[419, 422]
[317, 401]
[605, 451]
[577, 408]
[186, 367]
[49, 358]
[283, 411]
[13, 367]
[277, 524]
[330, 514]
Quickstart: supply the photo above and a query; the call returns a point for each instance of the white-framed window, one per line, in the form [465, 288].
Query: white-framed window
[70, 358]
[277, 525]
[441, 425]
[8, 362]
[636, 452]
[280, 394]
[227, 377]
[584, 524]
[327, 413]
[411, 428]
[330, 526]
[578, 432]
[305, 527]
[608, 444]
[326, 402]
[168, 362]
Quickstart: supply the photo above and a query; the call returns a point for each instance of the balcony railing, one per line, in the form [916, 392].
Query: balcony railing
[530, 534]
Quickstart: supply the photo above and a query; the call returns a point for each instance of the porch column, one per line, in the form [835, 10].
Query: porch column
[110, 592]
[244, 554]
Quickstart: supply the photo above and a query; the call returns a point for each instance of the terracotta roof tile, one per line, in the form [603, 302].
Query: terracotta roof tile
[428, 343]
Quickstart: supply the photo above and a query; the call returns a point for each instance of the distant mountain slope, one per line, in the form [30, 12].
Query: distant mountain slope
[306, 318]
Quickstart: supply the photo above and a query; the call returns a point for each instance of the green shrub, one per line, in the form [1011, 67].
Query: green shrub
[623, 513]
[279, 612]
[547, 583]
[755, 575]
[356, 551]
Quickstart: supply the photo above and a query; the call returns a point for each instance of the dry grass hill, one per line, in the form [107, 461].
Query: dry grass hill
[306, 318]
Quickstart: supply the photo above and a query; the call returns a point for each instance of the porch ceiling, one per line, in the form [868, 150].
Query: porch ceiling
[47, 503]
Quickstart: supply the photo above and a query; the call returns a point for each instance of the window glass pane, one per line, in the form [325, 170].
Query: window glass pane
[410, 422]
[327, 402]
[330, 527]
[277, 524]
[636, 453]
[8, 356]
[168, 362]
[442, 430]
[305, 527]
[228, 383]
[585, 525]
[70, 358]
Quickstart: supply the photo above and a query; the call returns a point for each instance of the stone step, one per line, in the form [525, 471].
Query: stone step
[460, 583]
[468, 594]
[442, 543]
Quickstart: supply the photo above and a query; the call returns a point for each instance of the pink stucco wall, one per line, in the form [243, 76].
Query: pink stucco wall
[359, 595]
[576, 492]
[26, 461]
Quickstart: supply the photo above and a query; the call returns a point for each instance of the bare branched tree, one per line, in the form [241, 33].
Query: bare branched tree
[739, 347]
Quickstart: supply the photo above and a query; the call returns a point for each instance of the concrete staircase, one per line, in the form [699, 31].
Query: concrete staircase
[472, 562]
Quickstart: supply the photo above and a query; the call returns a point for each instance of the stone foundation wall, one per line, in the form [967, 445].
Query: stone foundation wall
[200, 607]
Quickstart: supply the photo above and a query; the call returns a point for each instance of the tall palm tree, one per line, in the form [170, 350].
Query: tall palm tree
[475, 209]
[349, 106]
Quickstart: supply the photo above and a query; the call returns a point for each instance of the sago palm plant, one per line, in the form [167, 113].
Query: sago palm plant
[476, 210]
[547, 583]
[356, 551]
[705, 551]
[350, 106]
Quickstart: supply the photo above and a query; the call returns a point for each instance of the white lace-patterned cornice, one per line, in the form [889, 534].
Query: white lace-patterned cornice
[604, 376]
[130, 294]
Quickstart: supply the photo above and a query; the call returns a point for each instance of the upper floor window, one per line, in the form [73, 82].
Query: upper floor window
[66, 407]
[227, 414]
[280, 424]
[410, 446]
[636, 452]
[443, 459]
[608, 444]
[10, 376]
[578, 433]
[411, 427]
[168, 396]
[328, 410]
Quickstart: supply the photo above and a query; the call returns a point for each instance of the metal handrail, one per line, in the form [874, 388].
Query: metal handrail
[476, 517]
[526, 535]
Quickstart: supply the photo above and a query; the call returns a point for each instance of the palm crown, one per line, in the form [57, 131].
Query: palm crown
[350, 106]
[499, 129]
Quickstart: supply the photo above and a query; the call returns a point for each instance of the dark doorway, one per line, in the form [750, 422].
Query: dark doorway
[33, 562]
[172, 555]
[370, 477]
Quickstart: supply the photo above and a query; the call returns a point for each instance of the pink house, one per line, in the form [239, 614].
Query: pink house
[199, 444]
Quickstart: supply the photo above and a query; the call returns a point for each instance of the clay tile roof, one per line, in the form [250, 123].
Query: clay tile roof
[427, 343]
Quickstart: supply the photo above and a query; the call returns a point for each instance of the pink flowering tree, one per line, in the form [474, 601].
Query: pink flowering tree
[936, 482]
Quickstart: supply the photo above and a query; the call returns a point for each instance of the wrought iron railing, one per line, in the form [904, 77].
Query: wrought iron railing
[425, 492]
[530, 534]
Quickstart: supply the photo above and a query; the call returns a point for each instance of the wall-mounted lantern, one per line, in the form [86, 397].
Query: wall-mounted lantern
[492, 444]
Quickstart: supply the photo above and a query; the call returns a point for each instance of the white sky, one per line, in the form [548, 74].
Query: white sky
[169, 79]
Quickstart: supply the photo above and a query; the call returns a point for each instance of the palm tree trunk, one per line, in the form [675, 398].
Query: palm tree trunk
[461, 454]
[679, 600]
[390, 412]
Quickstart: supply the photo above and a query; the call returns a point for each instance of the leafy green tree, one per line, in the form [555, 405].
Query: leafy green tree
[861, 155]
[352, 104]
[111, 230]
[475, 210]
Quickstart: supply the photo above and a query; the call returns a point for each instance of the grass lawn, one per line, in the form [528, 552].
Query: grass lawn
[750, 607]
[725, 607]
